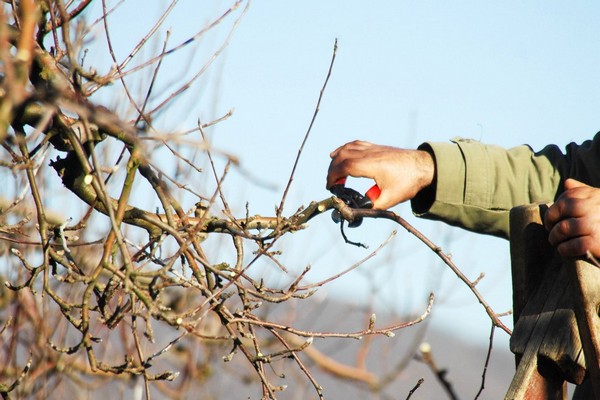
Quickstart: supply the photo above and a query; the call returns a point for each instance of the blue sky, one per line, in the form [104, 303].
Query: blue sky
[505, 73]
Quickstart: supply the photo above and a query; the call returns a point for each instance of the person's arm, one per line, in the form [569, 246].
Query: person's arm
[463, 183]
[472, 185]
[478, 184]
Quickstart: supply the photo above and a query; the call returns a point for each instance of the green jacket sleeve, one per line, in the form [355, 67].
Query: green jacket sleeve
[476, 184]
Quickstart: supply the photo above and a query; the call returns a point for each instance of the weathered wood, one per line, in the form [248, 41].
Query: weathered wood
[539, 290]
[537, 378]
[529, 384]
[585, 278]
[548, 322]
[556, 313]
[530, 252]
[561, 347]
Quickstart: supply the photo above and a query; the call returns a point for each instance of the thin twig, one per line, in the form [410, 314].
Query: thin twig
[350, 214]
[312, 121]
[202, 70]
[487, 361]
[352, 267]
[178, 47]
[426, 357]
[414, 389]
[387, 331]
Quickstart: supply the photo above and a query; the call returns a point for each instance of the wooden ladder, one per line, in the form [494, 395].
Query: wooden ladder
[556, 336]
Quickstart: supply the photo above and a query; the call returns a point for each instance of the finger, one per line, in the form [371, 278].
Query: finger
[572, 203]
[347, 168]
[575, 247]
[557, 211]
[567, 229]
[383, 202]
[571, 183]
[553, 214]
[354, 145]
[353, 163]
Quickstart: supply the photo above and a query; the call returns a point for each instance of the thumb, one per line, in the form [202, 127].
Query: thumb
[571, 183]
[383, 200]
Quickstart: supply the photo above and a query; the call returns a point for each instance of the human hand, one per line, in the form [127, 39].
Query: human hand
[574, 220]
[399, 173]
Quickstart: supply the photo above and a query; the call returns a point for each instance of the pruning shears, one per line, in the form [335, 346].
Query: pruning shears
[353, 199]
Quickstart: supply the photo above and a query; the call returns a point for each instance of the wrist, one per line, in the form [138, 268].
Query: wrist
[425, 168]
[425, 196]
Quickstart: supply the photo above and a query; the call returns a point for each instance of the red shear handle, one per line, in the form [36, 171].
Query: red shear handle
[341, 181]
[373, 193]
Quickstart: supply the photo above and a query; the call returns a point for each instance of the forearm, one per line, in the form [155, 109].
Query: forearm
[476, 185]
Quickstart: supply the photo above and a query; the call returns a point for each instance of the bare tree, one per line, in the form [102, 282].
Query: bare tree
[98, 287]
